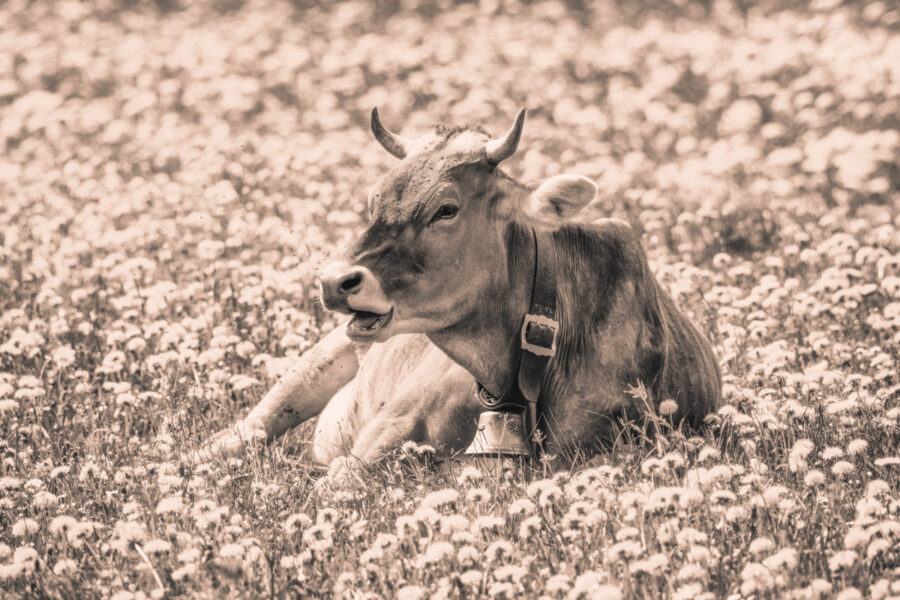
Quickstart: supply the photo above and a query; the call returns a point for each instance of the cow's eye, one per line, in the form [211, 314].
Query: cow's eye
[447, 211]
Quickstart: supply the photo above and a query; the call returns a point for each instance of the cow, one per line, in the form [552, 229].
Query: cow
[437, 288]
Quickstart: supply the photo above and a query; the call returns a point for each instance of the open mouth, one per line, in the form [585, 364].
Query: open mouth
[365, 323]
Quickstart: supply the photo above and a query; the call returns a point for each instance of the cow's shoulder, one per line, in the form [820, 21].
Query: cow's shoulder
[609, 248]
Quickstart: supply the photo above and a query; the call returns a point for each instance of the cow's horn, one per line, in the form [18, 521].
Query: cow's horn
[395, 144]
[502, 148]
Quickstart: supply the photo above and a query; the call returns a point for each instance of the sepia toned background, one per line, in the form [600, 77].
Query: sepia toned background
[173, 173]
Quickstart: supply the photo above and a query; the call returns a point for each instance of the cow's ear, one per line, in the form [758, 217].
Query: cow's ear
[559, 199]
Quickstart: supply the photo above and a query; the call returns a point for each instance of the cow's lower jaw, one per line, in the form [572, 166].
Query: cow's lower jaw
[364, 324]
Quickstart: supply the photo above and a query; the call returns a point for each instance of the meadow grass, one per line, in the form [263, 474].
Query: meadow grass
[172, 175]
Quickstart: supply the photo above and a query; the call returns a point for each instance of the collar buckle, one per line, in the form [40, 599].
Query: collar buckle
[539, 335]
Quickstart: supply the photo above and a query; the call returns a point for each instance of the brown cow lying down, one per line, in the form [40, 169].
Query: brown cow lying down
[443, 277]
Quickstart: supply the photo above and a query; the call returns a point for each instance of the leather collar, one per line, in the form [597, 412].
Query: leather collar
[538, 339]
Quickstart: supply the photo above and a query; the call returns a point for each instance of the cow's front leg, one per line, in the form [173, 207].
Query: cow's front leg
[299, 395]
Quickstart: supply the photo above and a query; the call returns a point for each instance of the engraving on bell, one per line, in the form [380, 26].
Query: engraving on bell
[500, 433]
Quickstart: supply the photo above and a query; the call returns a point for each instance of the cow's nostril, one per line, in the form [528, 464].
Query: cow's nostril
[350, 284]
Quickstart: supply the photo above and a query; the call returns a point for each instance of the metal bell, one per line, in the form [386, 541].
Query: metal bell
[500, 433]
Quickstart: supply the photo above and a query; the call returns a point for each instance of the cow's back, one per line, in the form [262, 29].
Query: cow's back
[624, 329]
[690, 373]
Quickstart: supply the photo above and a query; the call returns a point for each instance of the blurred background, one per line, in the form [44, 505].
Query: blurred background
[706, 106]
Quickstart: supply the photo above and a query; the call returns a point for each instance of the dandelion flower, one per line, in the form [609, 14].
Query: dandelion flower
[184, 572]
[296, 522]
[487, 524]
[169, 504]
[814, 478]
[478, 495]
[319, 537]
[521, 506]
[841, 560]
[591, 584]
[756, 578]
[498, 550]
[439, 498]
[558, 584]
[798, 454]
[510, 573]
[450, 524]
[773, 494]
[550, 496]
[471, 578]
[831, 453]
[468, 555]
[819, 588]
[668, 407]
[842, 467]
[722, 497]
[371, 555]
[65, 566]
[877, 487]
[761, 545]
[624, 551]
[699, 554]
[126, 533]
[327, 516]
[857, 447]
[707, 453]
[470, 474]
[157, 546]
[189, 555]
[688, 591]
[879, 546]
[435, 553]
[24, 527]
[850, 593]
[411, 592]
[78, 533]
[653, 565]
[406, 526]
[530, 527]
[784, 559]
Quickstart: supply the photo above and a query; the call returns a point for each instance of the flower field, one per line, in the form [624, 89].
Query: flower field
[173, 174]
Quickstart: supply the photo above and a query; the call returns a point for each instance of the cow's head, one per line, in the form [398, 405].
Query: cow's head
[435, 244]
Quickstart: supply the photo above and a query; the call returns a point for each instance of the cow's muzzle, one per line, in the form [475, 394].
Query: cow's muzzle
[354, 290]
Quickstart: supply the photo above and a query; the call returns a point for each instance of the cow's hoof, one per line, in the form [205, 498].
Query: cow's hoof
[230, 442]
[344, 471]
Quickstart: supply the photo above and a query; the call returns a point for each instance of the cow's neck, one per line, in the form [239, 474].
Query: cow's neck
[487, 342]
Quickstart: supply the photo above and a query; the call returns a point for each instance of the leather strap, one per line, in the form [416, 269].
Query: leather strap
[538, 336]
[539, 332]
